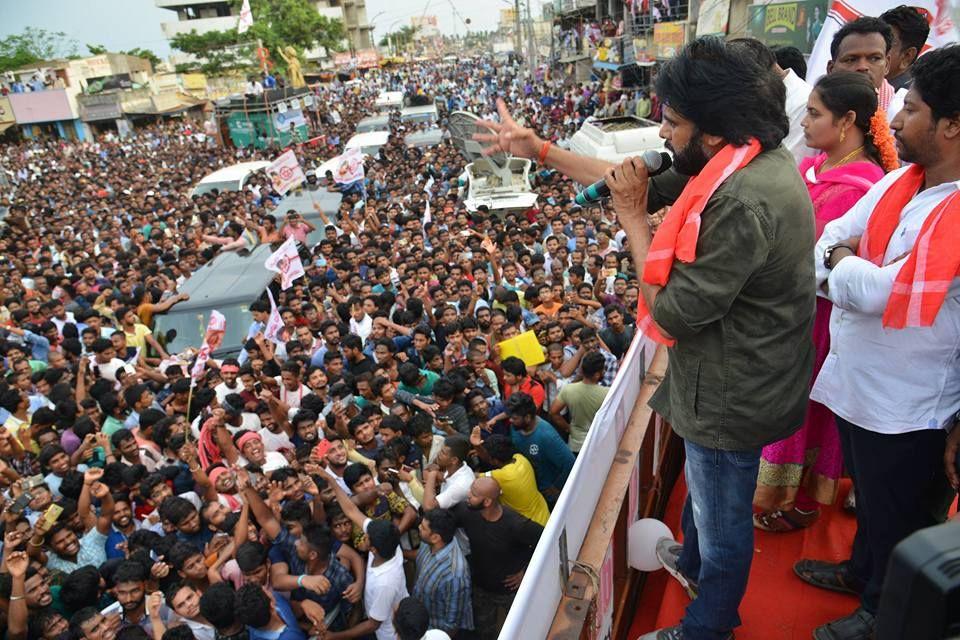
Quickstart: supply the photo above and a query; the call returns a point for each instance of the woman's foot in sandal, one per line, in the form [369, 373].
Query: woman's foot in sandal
[833, 576]
[785, 521]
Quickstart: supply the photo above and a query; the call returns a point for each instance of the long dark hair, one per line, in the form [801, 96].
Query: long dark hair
[844, 91]
[725, 92]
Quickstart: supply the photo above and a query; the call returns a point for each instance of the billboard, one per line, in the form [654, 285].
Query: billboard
[41, 106]
[425, 26]
[109, 83]
[282, 121]
[6, 113]
[367, 58]
[794, 24]
[713, 18]
[668, 38]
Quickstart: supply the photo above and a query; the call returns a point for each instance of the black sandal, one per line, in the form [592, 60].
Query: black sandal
[833, 576]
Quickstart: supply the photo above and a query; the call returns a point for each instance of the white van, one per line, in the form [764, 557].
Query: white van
[370, 142]
[425, 113]
[389, 100]
[230, 178]
[499, 181]
[616, 139]
[374, 123]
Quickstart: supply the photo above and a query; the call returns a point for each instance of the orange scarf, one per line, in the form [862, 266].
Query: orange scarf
[924, 279]
[678, 233]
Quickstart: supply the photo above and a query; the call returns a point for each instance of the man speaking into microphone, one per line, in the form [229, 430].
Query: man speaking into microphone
[728, 284]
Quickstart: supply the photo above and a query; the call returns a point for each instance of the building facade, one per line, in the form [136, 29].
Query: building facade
[220, 15]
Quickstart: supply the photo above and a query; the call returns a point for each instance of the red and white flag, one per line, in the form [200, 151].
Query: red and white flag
[246, 17]
[285, 172]
[274, 328]
[286, 261]
[211, 342]
[943, 31]
[349, 166]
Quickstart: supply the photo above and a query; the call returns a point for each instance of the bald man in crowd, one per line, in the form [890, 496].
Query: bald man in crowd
[501, 543]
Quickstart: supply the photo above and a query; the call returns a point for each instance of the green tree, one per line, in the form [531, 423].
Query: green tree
[34, 45]
[400, 38]
[276, 23]
[96, 49]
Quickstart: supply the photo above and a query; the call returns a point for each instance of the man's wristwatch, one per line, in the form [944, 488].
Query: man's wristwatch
[828, 254]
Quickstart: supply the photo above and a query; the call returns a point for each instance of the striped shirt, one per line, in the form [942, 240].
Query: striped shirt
[443, 585]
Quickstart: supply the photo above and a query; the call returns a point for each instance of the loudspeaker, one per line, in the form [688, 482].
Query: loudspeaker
[921, 593]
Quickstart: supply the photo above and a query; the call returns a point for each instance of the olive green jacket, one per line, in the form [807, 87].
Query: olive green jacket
[742, 313]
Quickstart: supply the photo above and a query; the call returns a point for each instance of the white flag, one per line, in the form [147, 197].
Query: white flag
[274, 328]
[286, 261]
[349, 166]
[246, 17]
[216, 327]
[285, 172]
[942, 29]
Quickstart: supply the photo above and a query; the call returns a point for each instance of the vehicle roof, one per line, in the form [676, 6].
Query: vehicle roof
[428, 137]
[235, 172]
[426, 108]
[229, 277]
[389, 97]
[368, 139]
[377, 119]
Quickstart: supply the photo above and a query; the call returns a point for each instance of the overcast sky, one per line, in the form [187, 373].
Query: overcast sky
[126, 24]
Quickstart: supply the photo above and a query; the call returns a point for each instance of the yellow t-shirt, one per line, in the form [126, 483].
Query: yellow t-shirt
[518, 486]
[138, 337]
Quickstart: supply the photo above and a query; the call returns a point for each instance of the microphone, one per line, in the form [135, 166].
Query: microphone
[657, 162]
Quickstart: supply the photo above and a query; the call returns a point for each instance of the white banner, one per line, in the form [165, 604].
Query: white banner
[274, 328]
[285, 172]
[286, 261]
[349, 167]
[539, 595]
[211, 342]
[283, 120]
[942, 29]
[246, 17]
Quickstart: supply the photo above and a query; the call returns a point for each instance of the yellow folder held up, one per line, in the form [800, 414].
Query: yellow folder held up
[524, 346]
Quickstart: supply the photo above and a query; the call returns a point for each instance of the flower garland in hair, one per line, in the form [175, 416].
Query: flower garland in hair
[883, 141]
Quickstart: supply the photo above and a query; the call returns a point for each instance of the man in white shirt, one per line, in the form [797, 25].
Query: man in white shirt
[798, 91]
[229, 370]
[386, 584]
[457, 475]
[890, 266]
[253, 88]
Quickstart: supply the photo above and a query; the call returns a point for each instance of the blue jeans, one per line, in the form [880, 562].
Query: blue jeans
[717, 526]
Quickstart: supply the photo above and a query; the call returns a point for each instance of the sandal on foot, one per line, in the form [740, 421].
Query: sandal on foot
[833, 576]
[784, 521]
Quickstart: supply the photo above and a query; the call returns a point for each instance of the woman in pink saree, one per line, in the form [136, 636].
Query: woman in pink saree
[802, 472]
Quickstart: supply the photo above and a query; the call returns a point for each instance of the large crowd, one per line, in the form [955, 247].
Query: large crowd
[378, 469]
[381, 465]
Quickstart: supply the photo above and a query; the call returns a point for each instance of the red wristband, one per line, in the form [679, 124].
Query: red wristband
[544, 150]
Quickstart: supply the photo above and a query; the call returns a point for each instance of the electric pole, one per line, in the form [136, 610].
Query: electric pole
[531, 49]
[517, 42]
